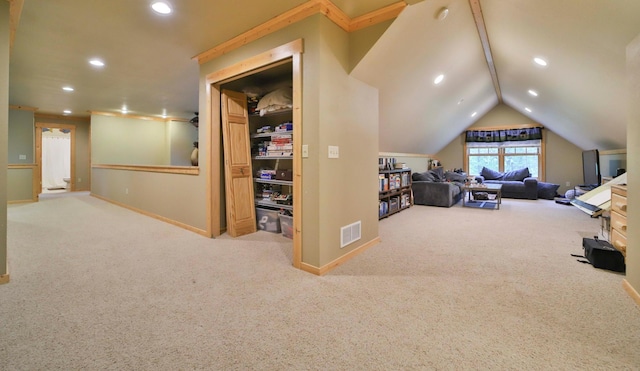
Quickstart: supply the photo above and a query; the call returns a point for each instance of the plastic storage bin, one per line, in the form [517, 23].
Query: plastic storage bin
[286, 224]
[267, 220]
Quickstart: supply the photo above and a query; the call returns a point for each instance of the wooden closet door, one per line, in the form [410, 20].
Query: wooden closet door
[241, 214]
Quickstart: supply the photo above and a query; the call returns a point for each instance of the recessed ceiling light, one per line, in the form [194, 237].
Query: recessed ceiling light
[527, 109]
[540, 62]
[161, 7]
[533, 92]
[66, 112]
[96, 62]
[438, 79]
[474, 114]
[67, 88]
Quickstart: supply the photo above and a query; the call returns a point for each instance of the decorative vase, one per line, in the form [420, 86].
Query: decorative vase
[194, 155]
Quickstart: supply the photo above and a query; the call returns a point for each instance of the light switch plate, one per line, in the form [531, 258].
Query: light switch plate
[305, 150]
[334, 152]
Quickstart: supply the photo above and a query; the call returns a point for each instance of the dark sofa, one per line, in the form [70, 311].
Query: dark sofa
[515, 184]
[437, 188]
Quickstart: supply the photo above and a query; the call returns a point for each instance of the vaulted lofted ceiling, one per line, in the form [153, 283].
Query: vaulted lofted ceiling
[581, 92]
[149, 66]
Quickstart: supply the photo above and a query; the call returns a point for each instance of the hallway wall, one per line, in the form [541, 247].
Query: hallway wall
[4, 133]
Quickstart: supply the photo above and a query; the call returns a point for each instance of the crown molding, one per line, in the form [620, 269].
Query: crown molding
[15, 10]
[299, 13]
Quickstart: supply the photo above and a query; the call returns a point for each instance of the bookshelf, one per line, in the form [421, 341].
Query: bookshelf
[394, 191]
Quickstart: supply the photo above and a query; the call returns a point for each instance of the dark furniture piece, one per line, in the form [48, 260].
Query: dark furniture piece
[475, 190]
[437, 188]
[515, 184]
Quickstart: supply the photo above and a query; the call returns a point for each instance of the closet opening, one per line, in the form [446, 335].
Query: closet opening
[256, 149]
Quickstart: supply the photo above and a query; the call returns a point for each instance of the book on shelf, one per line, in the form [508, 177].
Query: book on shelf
[383, 183]
[394, 181]
[405, 179]
[384, 208]
[405, 200]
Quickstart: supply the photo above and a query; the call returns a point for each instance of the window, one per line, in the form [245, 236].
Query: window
[505, 150]
[505, 156]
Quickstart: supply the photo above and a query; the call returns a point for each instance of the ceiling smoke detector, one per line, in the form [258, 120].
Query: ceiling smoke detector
[442, 13]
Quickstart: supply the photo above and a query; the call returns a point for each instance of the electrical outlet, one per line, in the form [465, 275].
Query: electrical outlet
[22, 157]
[334, 152]
[126, 191]
[305, 150]
[568, 184]
[79, 180]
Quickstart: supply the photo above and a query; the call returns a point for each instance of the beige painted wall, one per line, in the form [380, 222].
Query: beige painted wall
[564, 162]
[181, 137]
[83, 156]
[633, 162]
[563, 159]
[451, 156]
[21, 132]
[4, 128]
[20, 184]
[337, 110]
[128, 141]
[349, 184]
[179, 198]
[361, 41]
[176, 197]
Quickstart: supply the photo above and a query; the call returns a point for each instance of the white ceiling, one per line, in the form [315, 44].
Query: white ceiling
[149, 64]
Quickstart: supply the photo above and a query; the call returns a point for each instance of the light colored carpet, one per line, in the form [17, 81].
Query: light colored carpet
[95, 286]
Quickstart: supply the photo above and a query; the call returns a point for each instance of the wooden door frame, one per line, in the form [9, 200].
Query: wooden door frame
[72, 162]
[292, 51]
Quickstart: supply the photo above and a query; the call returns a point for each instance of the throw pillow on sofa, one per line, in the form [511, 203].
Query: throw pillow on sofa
[547, 191]
[451, 176]
[435, 175]
[517, 175]
[489, 174]
[514, 175]
[423, 177]
[438, 173]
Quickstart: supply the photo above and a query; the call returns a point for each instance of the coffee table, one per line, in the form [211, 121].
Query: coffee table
[494, 190]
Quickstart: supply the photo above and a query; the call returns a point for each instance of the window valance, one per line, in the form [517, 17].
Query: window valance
[505, 135]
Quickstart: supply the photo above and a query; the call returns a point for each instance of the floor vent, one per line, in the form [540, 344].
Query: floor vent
[350, 233]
